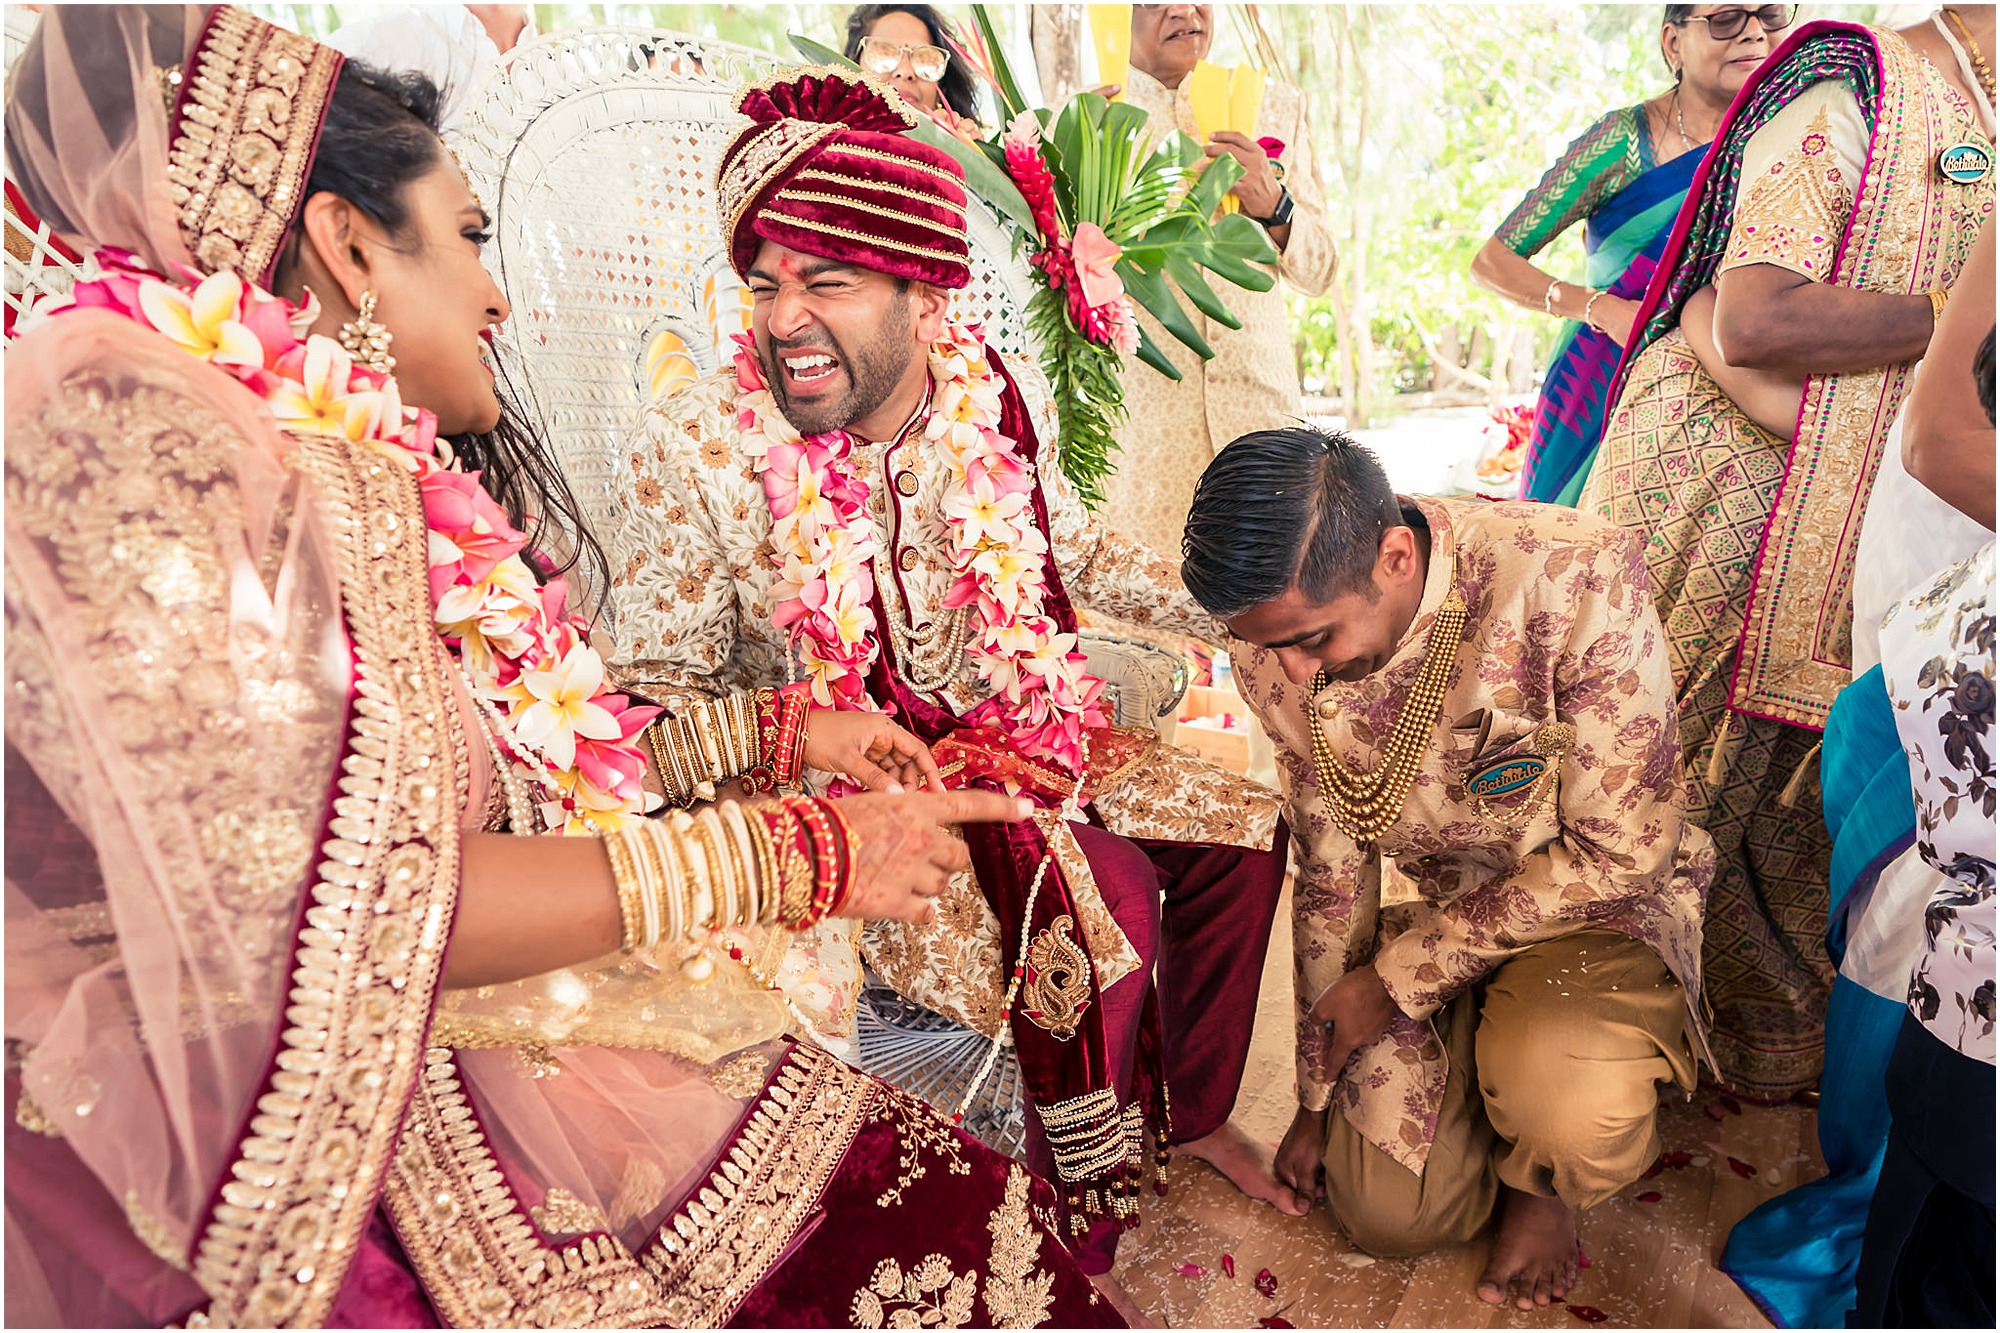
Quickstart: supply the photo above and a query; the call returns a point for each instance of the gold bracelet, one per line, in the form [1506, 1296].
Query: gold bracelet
[1939, 296]
[638, 894]
[765, 848]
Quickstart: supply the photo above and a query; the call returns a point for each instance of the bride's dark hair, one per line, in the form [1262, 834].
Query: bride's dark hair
[381, 134]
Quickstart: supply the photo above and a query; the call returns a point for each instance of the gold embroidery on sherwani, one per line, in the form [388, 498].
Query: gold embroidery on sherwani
[1057, 988]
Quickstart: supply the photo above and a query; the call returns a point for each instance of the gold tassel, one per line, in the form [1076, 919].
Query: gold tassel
[1725, 749]
[1789, 797]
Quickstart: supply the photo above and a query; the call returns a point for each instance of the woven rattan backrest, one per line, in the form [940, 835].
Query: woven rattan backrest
[595, 150]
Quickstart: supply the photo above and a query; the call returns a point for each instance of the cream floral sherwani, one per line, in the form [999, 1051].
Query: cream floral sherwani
[693, 574]
[1176, 428]
[1561, 628]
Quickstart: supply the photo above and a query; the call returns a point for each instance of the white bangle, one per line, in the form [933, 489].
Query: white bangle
[1586, 310]
[1549, 298]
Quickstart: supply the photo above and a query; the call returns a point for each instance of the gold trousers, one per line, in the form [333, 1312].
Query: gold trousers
[1555, 1061]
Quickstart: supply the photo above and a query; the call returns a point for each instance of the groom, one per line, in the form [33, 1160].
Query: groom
[861, 503]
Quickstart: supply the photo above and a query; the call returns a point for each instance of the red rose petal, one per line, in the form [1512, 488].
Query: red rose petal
[1650, 1196]
[1229, 1265]
[1730, 1104]
[1267, 1283]
[1659, 1165]
[1589, 1314]
[1742, 1168]
[1275, 1321]
[1716, 1110]
[1191, 1270]
[1582, 1259]
[1677, 1160]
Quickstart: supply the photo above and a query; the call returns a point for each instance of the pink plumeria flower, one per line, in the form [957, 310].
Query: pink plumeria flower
[565, 706]
[1096, 257]
[205, 322]
[987, 515]
[469, 531]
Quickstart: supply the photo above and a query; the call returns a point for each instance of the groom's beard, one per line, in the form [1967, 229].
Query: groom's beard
[873, 370]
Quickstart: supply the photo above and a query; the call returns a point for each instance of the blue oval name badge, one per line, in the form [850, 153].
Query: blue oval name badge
[1503, 776]
[1966, 163]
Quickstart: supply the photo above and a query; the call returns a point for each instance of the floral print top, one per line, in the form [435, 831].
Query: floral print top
[1561, 628]
[1937, 662]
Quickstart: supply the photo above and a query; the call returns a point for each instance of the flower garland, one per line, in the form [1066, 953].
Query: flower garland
[523, 653]
[826, 544]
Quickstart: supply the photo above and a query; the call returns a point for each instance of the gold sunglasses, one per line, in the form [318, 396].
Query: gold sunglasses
[880, 56]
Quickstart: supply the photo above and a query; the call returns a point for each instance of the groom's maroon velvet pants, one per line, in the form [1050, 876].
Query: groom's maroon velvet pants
[1199, 917]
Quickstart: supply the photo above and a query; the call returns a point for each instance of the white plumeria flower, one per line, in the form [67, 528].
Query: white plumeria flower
[985, 515]
[563, 709]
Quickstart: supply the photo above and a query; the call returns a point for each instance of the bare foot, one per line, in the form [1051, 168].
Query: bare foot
[1248, 1167]
[1534, 1252]
[1111, 1289]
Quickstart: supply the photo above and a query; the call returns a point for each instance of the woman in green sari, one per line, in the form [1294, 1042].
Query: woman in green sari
[1624, 178]
[1830, 231]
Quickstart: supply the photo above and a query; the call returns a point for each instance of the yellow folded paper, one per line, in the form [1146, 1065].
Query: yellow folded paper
[1246, 99]
[1111, 37]
[1208, 94]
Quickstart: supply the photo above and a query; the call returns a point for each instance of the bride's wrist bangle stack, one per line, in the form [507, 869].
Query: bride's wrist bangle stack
[788, 863]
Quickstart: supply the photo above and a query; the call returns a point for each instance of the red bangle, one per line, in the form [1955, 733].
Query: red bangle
[781, 740]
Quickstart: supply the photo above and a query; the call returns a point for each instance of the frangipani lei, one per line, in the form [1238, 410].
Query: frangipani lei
[522, 650]
[825, 541]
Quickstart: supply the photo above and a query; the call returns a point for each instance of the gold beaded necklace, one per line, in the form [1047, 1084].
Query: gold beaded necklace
[1365, 806]
[1985, 71]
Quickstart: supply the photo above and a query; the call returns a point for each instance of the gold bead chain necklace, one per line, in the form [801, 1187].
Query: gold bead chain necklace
[1365, 806]
[1978, 57]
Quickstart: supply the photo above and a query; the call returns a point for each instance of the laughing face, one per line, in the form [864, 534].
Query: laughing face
[1169, 40]
[842, 347]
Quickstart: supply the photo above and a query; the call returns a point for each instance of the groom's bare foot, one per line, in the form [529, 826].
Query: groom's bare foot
[1111, 1289]
[1248, 1166]
[1534, 1252]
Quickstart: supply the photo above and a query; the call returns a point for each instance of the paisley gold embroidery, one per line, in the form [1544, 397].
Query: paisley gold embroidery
[1016, 1295]
[739, 1077]
[29, 1117]
[1057, 989]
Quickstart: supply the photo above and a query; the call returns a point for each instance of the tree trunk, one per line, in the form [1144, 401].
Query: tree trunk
[1056, 31]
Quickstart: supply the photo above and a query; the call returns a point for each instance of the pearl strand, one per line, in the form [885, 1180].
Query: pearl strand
[1072, 808]
[520, 803]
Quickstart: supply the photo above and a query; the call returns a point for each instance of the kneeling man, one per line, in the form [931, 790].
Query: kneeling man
[1498, 913]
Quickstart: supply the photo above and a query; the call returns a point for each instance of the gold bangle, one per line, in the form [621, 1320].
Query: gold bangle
[1939, 296]
[765, 848]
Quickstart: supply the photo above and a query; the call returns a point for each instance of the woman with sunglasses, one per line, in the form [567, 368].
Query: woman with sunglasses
[1624, 179]
[910, 48]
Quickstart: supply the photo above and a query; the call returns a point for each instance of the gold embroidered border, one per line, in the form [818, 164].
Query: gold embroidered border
[481, 1260]
[764, 156]
[1795, 652]
[250, 116]
[369, 955]
[486, 1265]
[713, 1250]
[810, 176]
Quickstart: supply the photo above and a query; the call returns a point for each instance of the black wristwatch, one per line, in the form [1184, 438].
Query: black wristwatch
[1281, 214]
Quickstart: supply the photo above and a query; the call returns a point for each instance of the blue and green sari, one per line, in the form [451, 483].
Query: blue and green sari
[1622, 242]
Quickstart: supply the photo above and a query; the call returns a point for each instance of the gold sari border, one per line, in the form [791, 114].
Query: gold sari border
[369, 949]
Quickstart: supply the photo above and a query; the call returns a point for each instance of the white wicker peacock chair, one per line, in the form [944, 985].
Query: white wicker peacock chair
[595, 152]
[36, 268]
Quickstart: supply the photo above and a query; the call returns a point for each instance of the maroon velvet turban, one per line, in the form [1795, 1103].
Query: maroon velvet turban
[828, 168]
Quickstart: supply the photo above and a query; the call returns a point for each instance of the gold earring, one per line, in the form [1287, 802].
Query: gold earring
[366, 340]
